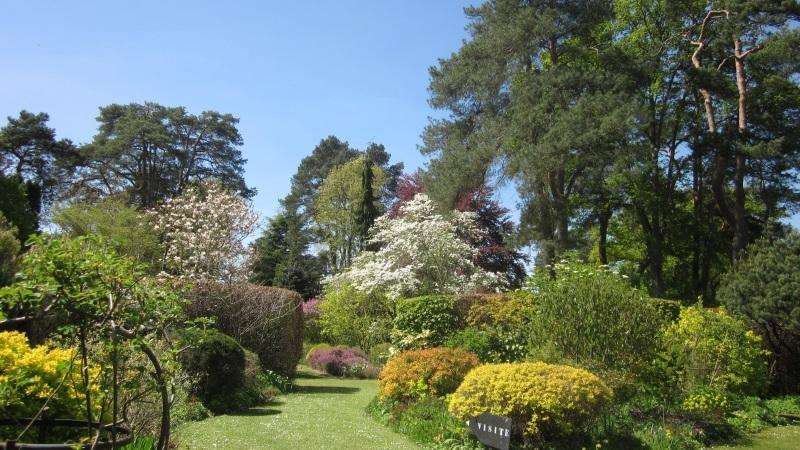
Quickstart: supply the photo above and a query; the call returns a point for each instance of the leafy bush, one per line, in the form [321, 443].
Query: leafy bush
[426, 421]
[351, 317]
[266, 320]
[380, 353]
[489, 344]
[543, 400]
[315, 347]
[9, 249]
[708, 355]
[16, 205]
[217, 363]
[30, 375]
[428, 372]
[342, 362]
[593, 317]
[311, 312]
[506, 310]
[278, 381]
[432, 314]
[765, 287]
[669, 309]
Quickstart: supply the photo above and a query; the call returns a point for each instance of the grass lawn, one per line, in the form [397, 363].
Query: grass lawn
[324, 413]
[776, 438]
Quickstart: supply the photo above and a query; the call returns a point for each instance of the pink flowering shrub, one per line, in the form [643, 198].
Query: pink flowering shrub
[342, 362]
[311, 312]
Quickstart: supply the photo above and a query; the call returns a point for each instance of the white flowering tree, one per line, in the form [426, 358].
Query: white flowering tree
[204, 231]
[420, 253]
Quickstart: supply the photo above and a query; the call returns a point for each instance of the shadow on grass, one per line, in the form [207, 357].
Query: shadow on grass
[254, 412]
[326, 389]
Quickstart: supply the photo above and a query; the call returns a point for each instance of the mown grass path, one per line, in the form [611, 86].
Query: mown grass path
[324, 413]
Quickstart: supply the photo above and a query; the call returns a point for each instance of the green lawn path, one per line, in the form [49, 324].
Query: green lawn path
[776, 438]
[324, 413]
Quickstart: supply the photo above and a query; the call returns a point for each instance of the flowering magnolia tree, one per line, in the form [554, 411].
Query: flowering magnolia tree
[204, 231]
[421, 252]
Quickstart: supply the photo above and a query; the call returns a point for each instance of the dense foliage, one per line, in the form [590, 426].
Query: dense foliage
[265, 320]
[418, 373]
[351, 317]
[765, 287]
[593, 317]
[433, 315]
[544, 400]
[216, 362]
[341, 361]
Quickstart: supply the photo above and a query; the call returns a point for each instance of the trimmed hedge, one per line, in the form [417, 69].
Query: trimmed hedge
[543, 400]
[217, 364]
[418, 373]
[266, 320]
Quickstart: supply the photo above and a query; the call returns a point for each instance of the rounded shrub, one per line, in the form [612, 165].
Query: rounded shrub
[765, 287]
[543, 400]
[505, 310]
[707, 355]
[266, 320]
[418, 373]
[351, 317]
[216, 362]
[433, 315]
[594, 317]
[341, 362]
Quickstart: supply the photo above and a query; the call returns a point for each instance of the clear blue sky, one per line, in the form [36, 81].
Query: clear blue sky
[293, 72]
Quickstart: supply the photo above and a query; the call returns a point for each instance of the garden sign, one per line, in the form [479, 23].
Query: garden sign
[491, 430]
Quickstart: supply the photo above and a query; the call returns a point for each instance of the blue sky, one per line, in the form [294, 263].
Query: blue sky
[293, 72]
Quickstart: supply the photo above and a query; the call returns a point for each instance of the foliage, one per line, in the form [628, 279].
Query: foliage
[15, 206]
[708, 356]
[490, 345]
[433, 314]
[94, 293]
[203, 232]
[266, 320]
[426, 421]
[31, 377]
[765, 287]
[152, 153]
[500, 310]
[126, 229]
[592, 316]
[9, 249]
[217, 363]
[281, 258]
[379, 354]
[338, 206]
[429, 372]
[421, 252]
[311, 313]
[351, 317]
[341, 361]
[30, 153]
[280, 382]
[543, 400]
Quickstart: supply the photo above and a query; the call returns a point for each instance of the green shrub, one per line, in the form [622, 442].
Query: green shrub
[707, 356]
[263, 319]
[428, 372]
[351, 317]
[669, 309]
[17, 205]
[433, 315]
[543, 400]
[505, 310]
[380, 353]
[426, 421]
[489, 344]
[765, 287]
[217, 363]
[593, 317]
[9, 249]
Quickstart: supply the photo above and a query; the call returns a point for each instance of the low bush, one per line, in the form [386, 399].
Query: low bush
[217, 364]
[765, 287]
[593, 317]
[543, 400]
[342, 362]
[433, 315]
[490, 344]
[669, 309]
[313, 348]
[380, 353]
[354, 318]
[429, 372]
[266, 320]
[30, 375]
[709, 355]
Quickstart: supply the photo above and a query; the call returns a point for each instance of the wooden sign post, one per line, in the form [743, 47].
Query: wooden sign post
[491, 430]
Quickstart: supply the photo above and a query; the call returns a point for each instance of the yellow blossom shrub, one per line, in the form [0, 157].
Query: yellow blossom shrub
[543, 400]
[507, 309]
[428, 372]
[31, 375]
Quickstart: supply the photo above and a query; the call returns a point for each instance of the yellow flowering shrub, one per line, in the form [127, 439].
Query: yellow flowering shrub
[30, 375]
[543, 400]
[428, 372]
[507, 309]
